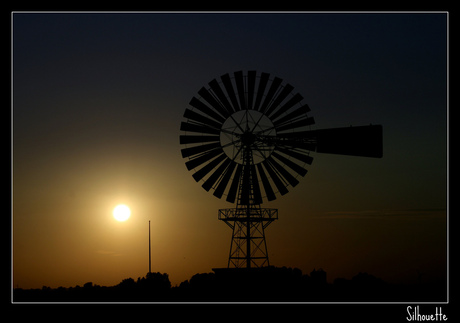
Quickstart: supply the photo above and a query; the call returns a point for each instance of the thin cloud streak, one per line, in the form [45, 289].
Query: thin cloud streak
[440, 213]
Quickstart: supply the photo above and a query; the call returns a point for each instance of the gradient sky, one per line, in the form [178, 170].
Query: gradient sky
[97, 105]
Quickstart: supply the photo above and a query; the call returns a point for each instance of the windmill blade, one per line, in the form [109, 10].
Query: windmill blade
[251, 87]
[365, 141]
[215, 176]
[192, 115]
[298, 169]
[231, 196]
[231, 92]
[197, 161]
[239, 80]
[255, 186]
[271, 93]
[209, 167]
[275, 178]
[291, 179]
[294, 114]
[184, 139]
[221, 96]
[194, 102]
[261, 89]
[294, 154]
[266, 183]
[192, 127]
[289, 104]
[296, 124]
[190, 151]
[277, 101]
[213, 102]
[219, 191]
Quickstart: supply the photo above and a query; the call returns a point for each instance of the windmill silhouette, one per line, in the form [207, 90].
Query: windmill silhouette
[249, 137]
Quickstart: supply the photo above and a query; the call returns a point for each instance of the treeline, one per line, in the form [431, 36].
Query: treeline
[278, 284]
[152, 287]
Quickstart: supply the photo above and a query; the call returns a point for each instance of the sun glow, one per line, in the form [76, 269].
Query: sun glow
[121, 212]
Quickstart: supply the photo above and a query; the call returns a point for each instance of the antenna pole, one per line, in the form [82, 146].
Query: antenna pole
[150, 253]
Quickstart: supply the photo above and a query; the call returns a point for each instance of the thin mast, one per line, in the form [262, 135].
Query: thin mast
[150, 253]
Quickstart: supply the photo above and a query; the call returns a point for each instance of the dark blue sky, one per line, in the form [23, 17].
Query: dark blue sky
[97, 105]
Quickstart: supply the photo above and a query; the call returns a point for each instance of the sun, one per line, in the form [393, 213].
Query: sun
[121, 212]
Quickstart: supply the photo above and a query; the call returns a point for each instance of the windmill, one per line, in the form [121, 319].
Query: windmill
[248, 137]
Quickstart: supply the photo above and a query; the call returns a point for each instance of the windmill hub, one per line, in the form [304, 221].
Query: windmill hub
[248, 138]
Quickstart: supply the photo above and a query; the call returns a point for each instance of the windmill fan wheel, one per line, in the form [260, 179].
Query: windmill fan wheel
[251, 129]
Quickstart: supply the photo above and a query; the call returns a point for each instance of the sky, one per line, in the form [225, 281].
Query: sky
[97, 102]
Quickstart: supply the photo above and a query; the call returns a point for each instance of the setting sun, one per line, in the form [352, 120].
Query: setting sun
[121, 212]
